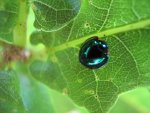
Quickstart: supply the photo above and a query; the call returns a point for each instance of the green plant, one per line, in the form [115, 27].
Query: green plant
[38, 61]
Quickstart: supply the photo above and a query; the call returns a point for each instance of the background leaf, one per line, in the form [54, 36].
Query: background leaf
[135, 101]
[38, 98]
[20, 93]
[10, 100]
[8, 18]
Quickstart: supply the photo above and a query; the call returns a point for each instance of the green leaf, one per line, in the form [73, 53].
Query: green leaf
[10, 100]
[52, 15]
[35, 96]
[123, 25]
[27, 95]
[8, 18]
[41, 37]
[135, 101]
[38, 98]
[97, 90]
[8, 13]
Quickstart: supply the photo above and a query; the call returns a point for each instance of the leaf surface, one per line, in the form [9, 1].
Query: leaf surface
[123, 25]
[52, 15]
[10, 100]
[9, 11]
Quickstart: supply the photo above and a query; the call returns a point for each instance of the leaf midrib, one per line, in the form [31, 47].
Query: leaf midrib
[108, 32]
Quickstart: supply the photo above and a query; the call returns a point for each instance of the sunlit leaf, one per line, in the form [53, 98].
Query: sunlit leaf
[122, 24]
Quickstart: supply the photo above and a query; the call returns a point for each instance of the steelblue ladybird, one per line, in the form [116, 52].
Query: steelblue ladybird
[94, 53]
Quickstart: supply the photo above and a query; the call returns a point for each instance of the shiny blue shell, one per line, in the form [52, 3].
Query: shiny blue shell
[94, 53]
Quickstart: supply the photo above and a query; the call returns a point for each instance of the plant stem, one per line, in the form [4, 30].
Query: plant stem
[20, 30]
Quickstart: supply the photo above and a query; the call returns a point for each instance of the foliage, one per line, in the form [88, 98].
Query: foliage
[40, 69]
